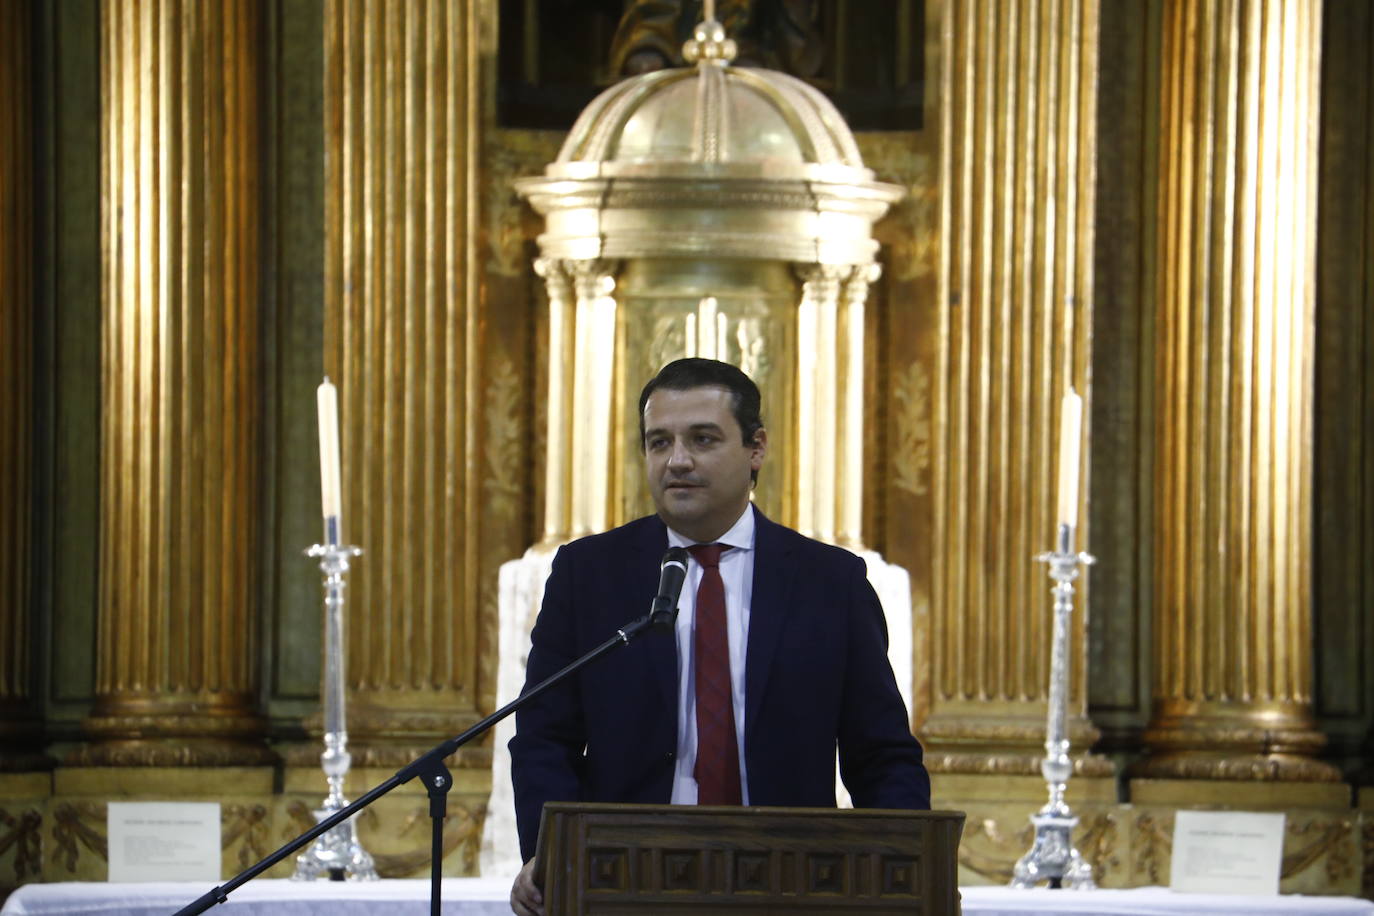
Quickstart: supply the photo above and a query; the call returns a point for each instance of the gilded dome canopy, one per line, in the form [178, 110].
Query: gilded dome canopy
[710, 159]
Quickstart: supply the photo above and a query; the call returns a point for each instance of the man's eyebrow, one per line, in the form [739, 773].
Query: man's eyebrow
[695, 427]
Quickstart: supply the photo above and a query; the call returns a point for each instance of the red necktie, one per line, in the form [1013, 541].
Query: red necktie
[717, 769]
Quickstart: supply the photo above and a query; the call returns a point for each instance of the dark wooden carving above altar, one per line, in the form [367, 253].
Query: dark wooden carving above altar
[555, 55]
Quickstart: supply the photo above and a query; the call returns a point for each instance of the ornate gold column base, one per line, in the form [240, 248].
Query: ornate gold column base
[1010, 746]
[390, 739]
[135, 732]
[1265, 741]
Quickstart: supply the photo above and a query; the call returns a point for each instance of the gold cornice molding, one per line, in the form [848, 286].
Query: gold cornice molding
[992, 762]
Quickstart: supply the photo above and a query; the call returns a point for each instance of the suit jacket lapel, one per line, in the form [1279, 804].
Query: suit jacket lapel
[773, 573]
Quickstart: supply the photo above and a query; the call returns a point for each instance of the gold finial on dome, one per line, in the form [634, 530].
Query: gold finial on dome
[708, 43]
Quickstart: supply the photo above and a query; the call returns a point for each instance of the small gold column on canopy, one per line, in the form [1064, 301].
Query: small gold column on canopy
[714, 211]
[175, 681]
[1233, 466]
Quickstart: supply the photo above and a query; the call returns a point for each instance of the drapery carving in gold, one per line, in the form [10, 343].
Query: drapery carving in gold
[1233, 465]
[175, 677]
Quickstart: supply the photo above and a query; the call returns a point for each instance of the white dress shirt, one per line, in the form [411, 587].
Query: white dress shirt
[737, 574]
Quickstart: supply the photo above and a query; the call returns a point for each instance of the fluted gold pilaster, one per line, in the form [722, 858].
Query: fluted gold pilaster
[1233, 680]
[19, 727]
[402, 338]
[175, 679]
[1018, 107]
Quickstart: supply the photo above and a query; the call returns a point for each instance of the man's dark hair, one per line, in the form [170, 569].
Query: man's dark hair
[694, 372]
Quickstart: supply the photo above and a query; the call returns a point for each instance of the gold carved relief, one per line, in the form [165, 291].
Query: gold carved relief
[504, 435]
[22, 834]
[910, 232]
[509, 223]
[410, 828]
[1321, 837]
[462, 834]
[246, 825]
[911, 396]
[72, 832]
[1098, 842]
[1151, 845]
[990, 848]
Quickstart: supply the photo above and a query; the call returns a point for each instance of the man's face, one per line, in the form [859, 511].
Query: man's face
[697, 464]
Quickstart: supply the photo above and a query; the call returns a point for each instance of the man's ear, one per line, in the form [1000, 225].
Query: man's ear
[759, 449]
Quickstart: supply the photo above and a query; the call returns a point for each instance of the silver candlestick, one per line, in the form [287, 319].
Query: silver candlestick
[1053, 857]
[337, 852]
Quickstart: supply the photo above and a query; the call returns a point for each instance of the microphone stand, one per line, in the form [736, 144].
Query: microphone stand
[430, 767]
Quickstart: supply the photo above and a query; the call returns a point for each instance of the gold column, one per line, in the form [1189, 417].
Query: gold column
[177, 647]
[403, 340]
[830, 402]
[20, 729]
[1017, 122]
[1233, 634]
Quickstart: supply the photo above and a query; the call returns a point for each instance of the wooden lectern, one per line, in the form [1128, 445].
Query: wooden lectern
[649, 859]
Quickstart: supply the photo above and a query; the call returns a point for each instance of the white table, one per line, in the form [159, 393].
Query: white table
[490, 896]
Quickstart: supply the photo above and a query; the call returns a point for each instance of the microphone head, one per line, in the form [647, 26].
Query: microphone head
[672, 573]
[676, 555]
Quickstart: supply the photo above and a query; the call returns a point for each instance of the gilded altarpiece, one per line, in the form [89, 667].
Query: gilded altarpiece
[435, 328]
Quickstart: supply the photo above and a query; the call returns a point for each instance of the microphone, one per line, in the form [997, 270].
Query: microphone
[672, 573]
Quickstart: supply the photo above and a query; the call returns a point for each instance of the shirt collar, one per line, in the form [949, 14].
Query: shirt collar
[740, 536]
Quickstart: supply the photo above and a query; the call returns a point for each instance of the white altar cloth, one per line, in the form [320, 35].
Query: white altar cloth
[490, 896]
[1149, 901]
[267, 897]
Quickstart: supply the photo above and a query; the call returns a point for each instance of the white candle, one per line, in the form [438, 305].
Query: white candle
[1070, 434]
[328, 398]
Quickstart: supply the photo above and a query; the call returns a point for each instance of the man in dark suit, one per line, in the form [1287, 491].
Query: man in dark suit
[778, 657]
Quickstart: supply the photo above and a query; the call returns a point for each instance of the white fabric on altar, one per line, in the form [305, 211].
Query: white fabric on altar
[461, 897]
[490, 897]
[1149, 901]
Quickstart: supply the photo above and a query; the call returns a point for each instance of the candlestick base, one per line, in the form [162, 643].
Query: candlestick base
[1052, 858]
[336, 853]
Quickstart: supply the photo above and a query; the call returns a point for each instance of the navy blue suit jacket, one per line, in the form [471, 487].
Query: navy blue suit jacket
[816, 673]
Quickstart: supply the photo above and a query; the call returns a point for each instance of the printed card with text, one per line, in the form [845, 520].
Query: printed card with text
[164, 841]
[1226, 852]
